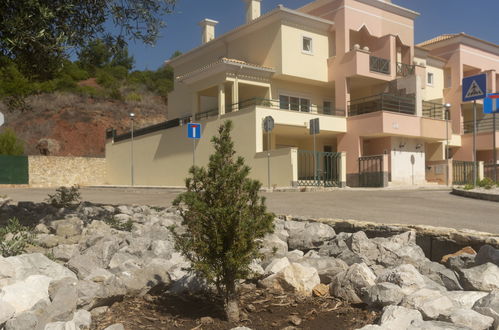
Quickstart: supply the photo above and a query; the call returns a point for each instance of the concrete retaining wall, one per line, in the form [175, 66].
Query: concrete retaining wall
[52, 171]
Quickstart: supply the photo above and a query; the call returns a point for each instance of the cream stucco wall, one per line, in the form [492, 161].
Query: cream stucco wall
[434, 92]
[403, 172]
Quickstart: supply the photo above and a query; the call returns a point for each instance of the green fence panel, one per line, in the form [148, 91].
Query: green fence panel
[14, 170]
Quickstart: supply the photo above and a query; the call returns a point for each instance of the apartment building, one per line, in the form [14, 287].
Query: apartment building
[353, 65]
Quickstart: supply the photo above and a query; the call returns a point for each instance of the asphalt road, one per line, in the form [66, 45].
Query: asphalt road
[418, 207]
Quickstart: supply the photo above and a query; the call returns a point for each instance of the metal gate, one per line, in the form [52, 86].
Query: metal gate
[14, 170]
[371, 171]
[462, 172]
[327, 165]
[489, 168]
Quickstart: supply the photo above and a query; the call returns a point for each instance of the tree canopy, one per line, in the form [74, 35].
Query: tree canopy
[37, 34]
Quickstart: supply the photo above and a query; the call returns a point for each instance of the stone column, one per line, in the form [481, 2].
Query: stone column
[221, 99]
[235, 95]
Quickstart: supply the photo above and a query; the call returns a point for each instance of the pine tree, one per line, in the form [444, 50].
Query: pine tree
[224, 218]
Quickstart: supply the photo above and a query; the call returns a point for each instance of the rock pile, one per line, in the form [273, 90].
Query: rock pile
[83, 265]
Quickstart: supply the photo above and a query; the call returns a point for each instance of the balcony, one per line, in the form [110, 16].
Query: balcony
[379, 65]
[434, 110]
[279, 105]
[482, 126]
[382, 102]
[405, 70]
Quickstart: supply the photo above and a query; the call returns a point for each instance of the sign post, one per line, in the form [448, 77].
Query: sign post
[491, 105]
[268, 126]
[474, 88]
[194, 133]
[314, 130]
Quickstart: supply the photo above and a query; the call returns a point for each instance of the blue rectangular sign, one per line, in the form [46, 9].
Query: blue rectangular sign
[491, 103]
[193, 131]
[475, 87]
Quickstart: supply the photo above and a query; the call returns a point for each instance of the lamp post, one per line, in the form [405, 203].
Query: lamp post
[447, 117]
[132, 118]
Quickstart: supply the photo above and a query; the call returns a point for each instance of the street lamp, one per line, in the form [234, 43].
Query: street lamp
[447, 117]
[132, 118]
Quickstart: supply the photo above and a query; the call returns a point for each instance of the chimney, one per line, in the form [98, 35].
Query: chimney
[253, 10]
[208, 30]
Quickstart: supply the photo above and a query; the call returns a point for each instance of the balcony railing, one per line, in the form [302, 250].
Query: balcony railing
[434, 110]
[276, 104]
[482, 126]
[378, 64]
[404, 70]
[206, 114]
[385, 102]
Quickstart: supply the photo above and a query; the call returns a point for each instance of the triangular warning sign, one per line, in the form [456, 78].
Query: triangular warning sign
[474, 90]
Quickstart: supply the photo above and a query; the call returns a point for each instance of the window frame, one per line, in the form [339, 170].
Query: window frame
[429, 81]
[293, 102]
[303, 50]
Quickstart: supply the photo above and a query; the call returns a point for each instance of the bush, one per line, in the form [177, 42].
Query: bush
[133, 97]
[10, 144]
[469, 187]
[14, 238]
[118, 225]
[224, 218]
[64, 196]
[486, 183]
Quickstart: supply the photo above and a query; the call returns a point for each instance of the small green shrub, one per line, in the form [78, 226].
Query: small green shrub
[64, 196]
[133, 97]
[469, 187]
[115, 94]
[14, 238]
[486, 183]
[10, 144]
[116, 224]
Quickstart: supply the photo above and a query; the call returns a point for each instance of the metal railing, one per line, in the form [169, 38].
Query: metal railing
[385, 102]
[434, 110]
[482, 125]
[319, 168]
[404, 70]
[371, 171]
[378, 64]
[488, 170]
[276, 104]
[206, 114]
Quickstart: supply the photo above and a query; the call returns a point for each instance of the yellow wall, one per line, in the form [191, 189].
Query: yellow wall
[297, 63]
[435, 91]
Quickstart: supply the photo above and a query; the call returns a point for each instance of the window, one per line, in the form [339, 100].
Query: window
[294, 103]
[307, 45]
[430, 79]
[327, 107]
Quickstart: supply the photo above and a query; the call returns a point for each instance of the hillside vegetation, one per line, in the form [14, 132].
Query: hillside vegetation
[69, 113]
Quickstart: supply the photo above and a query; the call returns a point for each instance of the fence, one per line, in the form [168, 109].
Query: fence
[327, 165]
[378, 64]
[14, 170]
[489, 169]
[385, 102]
[371, 171]
[462, 172]
[434, 110]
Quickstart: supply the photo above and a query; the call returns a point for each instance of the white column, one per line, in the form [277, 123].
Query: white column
[235, 95]
[221, 99]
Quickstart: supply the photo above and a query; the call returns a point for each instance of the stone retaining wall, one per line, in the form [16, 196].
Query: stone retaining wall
[476, 194]
[53, 171]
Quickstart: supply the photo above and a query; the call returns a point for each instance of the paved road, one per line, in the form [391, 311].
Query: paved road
[428, 207]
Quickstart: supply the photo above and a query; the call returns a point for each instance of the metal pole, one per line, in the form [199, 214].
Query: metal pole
[495, 143]
[193, 152]
[315, 162]
[474, 144]
[447, 146]
[131, 157]
[268, 158]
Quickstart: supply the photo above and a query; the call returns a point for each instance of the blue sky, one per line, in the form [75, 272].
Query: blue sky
[479, 18]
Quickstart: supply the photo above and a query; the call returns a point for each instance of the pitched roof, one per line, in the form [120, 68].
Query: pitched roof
[225, 60]
[438, 39]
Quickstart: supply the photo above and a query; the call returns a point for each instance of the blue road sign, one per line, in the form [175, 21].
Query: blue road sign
[475, 87]
[491, 103]
[193, 131]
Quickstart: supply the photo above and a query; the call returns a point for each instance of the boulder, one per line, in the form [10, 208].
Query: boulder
[462, 261]
[352, 284]
[364, 247]
[138, 245]
[273, 246]
[162, 249]
[99, 275]
[489, 306]
[140, 281]
[177, 266]
[64, 252]
[465, 299]
[120, 258]
[486, 254]
[63, 295]
[295, 255]
[433, 304]
[471, 319]
[312, 235]
[83, 265]
[22, 322]
[7, 311]
[327, 268]
[92, 295]
[25, 294]
[384, 294]
[70, 325]
[116, 326]
[67, 227]
[480, 278]
[440, 274]
[435, 325]
[277, 265]
[22, 266]
[293, 278]
[398, 317]
[334, 247]
[82, 319]
[406, 277]
[351, 258]
[465, 250]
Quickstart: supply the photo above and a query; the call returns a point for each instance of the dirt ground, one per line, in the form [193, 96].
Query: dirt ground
[261, 309]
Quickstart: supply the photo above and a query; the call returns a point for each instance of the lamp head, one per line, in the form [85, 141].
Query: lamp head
[132, 115]
[447, 106]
